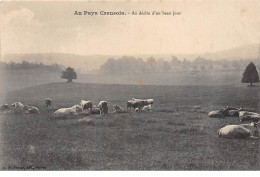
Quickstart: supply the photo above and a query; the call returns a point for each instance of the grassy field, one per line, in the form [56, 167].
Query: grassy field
[175, 136]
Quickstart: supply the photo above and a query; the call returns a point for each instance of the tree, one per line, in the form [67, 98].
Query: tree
[250, 75]
[69, 74]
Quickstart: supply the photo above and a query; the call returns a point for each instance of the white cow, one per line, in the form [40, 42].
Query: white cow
[73, 110]
[239, 131]
[31, 110]
[62, 112]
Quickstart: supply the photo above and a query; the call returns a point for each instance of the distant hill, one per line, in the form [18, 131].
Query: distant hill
[87, 63]
[79, 62]
[243, 52]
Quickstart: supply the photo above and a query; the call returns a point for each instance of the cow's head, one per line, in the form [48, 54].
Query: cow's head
[79, 108]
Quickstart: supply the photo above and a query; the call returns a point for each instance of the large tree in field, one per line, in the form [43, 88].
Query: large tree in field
[69, 74]
[250, 75]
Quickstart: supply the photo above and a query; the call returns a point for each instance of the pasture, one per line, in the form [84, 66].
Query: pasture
[177, 135]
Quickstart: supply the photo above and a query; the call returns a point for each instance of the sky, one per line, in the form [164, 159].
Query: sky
[203, 26]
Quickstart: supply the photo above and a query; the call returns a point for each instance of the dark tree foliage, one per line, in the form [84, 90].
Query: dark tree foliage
[250, 75]
[24, 65]
[69, 74]
[129, 65]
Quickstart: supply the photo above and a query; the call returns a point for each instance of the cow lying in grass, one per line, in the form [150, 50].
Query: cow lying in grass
[31, 110]
[249, 116]
[239, 131]
[235, 112]
[64, 112]
[118, 109]
[17, 108]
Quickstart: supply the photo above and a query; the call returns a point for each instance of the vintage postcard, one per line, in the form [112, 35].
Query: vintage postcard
[130, 85]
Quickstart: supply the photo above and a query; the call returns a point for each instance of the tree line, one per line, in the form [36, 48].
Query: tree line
[130, 64]
[24, 65]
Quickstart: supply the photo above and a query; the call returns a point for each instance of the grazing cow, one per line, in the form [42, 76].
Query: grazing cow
[63, 112]
[136, 103]
[103, 107]
[47, 102]
[239, 131]
[31, 110]
[149, 101]
[86, 105]
[4, 107]
[249, 116]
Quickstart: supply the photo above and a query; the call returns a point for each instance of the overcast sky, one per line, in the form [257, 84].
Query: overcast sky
[203, 26]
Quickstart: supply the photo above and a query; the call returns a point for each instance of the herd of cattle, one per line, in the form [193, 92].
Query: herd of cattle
[84, 108]
[249, 130]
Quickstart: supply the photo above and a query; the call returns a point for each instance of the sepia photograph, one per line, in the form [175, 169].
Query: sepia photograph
[129, 85]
